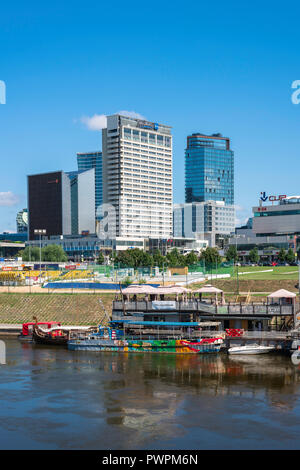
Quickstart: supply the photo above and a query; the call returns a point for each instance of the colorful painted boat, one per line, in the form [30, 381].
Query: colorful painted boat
[115, 340]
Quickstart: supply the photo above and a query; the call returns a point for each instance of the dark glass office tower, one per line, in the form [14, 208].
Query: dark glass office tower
[86, 161]
[49, 203]
[209, 169]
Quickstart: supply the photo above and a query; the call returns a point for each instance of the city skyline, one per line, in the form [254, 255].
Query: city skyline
[57, 96]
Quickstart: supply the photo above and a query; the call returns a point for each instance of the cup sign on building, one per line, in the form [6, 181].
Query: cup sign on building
[265, 198]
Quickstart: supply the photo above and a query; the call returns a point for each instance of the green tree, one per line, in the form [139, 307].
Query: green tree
[191, 258]
[142, 258]
[290, 257]
[127, 281]
[253, 255]
[122, 259]
[282, 255]
[134, 258]
[158, 259]
[210, 256]
[53, 253]
[174, 258]
[30, 253]
[231, 254]
[101, 258]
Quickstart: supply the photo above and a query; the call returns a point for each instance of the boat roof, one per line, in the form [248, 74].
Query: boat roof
[166, 323]
[42, 323]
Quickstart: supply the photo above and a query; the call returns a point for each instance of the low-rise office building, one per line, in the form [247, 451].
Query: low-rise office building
[88, 246]
[268, 247]
[282, 218]
[272, 227]
[209, 220]
[182, 244]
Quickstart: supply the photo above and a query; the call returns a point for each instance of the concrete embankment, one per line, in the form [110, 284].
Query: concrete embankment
[69, 309]
[10, 330]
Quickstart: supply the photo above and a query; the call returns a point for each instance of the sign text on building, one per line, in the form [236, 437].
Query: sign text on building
[264, 197]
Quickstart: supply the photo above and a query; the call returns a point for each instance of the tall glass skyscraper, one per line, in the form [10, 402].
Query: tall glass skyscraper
[86, 161]
[209, 169]
[82, 185]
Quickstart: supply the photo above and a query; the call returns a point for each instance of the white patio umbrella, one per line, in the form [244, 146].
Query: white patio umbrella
[282, 294]
[208, 289]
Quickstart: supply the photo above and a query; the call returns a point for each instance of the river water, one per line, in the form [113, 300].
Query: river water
[52, 398]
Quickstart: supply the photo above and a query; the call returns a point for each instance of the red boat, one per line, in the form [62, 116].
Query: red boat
[27, 329]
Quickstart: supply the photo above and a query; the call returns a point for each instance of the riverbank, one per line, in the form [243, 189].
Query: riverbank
[82, 307]
[67, 308]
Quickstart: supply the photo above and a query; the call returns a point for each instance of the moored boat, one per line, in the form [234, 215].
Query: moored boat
[53, 336]
[58, 335]
[27, 329]
[251, 349]
[159, 340]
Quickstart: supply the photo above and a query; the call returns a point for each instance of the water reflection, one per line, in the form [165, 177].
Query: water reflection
[54, 398]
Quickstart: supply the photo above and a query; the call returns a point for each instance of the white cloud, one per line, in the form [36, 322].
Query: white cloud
[241, 216]
[241, 221]
[131, 114]
[99, 121]
[8, 199]
[94, 123]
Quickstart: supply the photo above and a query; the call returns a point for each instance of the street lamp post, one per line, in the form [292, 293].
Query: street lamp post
[237, 268]
[40, 232]
[299, 278]
[236, 264]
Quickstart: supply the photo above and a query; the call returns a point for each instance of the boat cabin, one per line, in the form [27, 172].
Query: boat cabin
[164, 329]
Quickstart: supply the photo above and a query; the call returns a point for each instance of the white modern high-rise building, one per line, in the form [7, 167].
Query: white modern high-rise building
[137, 176]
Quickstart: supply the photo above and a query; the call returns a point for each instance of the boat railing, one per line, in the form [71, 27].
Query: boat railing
[205, 307]
[265, 334]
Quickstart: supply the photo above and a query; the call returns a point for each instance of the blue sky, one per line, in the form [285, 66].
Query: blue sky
[210, 67]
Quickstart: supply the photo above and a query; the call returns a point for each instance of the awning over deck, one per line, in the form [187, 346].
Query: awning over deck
[171, 290]
[208, 289]
[139, 289]
[282, 294]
